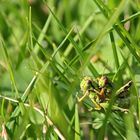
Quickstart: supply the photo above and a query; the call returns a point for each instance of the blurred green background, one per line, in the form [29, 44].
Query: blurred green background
[47, 46]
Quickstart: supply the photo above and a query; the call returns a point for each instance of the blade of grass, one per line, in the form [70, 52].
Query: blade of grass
[135, 91]
[25, 95]
[2, 110]
[110, 22]
[115, 56]
[77, 127]
[8, 23]
[42, 34]
[86, 24]
[78, 50]
[119, 29]
[123, 30]
[58, 48]
[107, 116]
[114, 50]
[40, 112]
[29, 88]
[53, 100]
[90, 66]
[117, 130]
[30, 28]
[53, 63]
[119, 70]
[10, 69]
[131, 49]
[126, 20]
[38, 30]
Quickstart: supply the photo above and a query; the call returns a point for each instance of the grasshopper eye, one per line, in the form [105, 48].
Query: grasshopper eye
[86, 83]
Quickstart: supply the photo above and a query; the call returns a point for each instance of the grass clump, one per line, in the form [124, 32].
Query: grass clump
[47, 47]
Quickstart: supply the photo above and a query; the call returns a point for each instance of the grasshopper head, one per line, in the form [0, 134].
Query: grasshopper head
[103, 81]
[86, 83]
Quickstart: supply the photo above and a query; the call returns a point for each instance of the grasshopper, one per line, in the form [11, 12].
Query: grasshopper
[99, 92]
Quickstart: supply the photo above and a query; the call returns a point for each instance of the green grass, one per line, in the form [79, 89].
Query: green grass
[46, 47]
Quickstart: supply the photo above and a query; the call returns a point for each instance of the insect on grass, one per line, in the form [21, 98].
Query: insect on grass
[99, 92]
